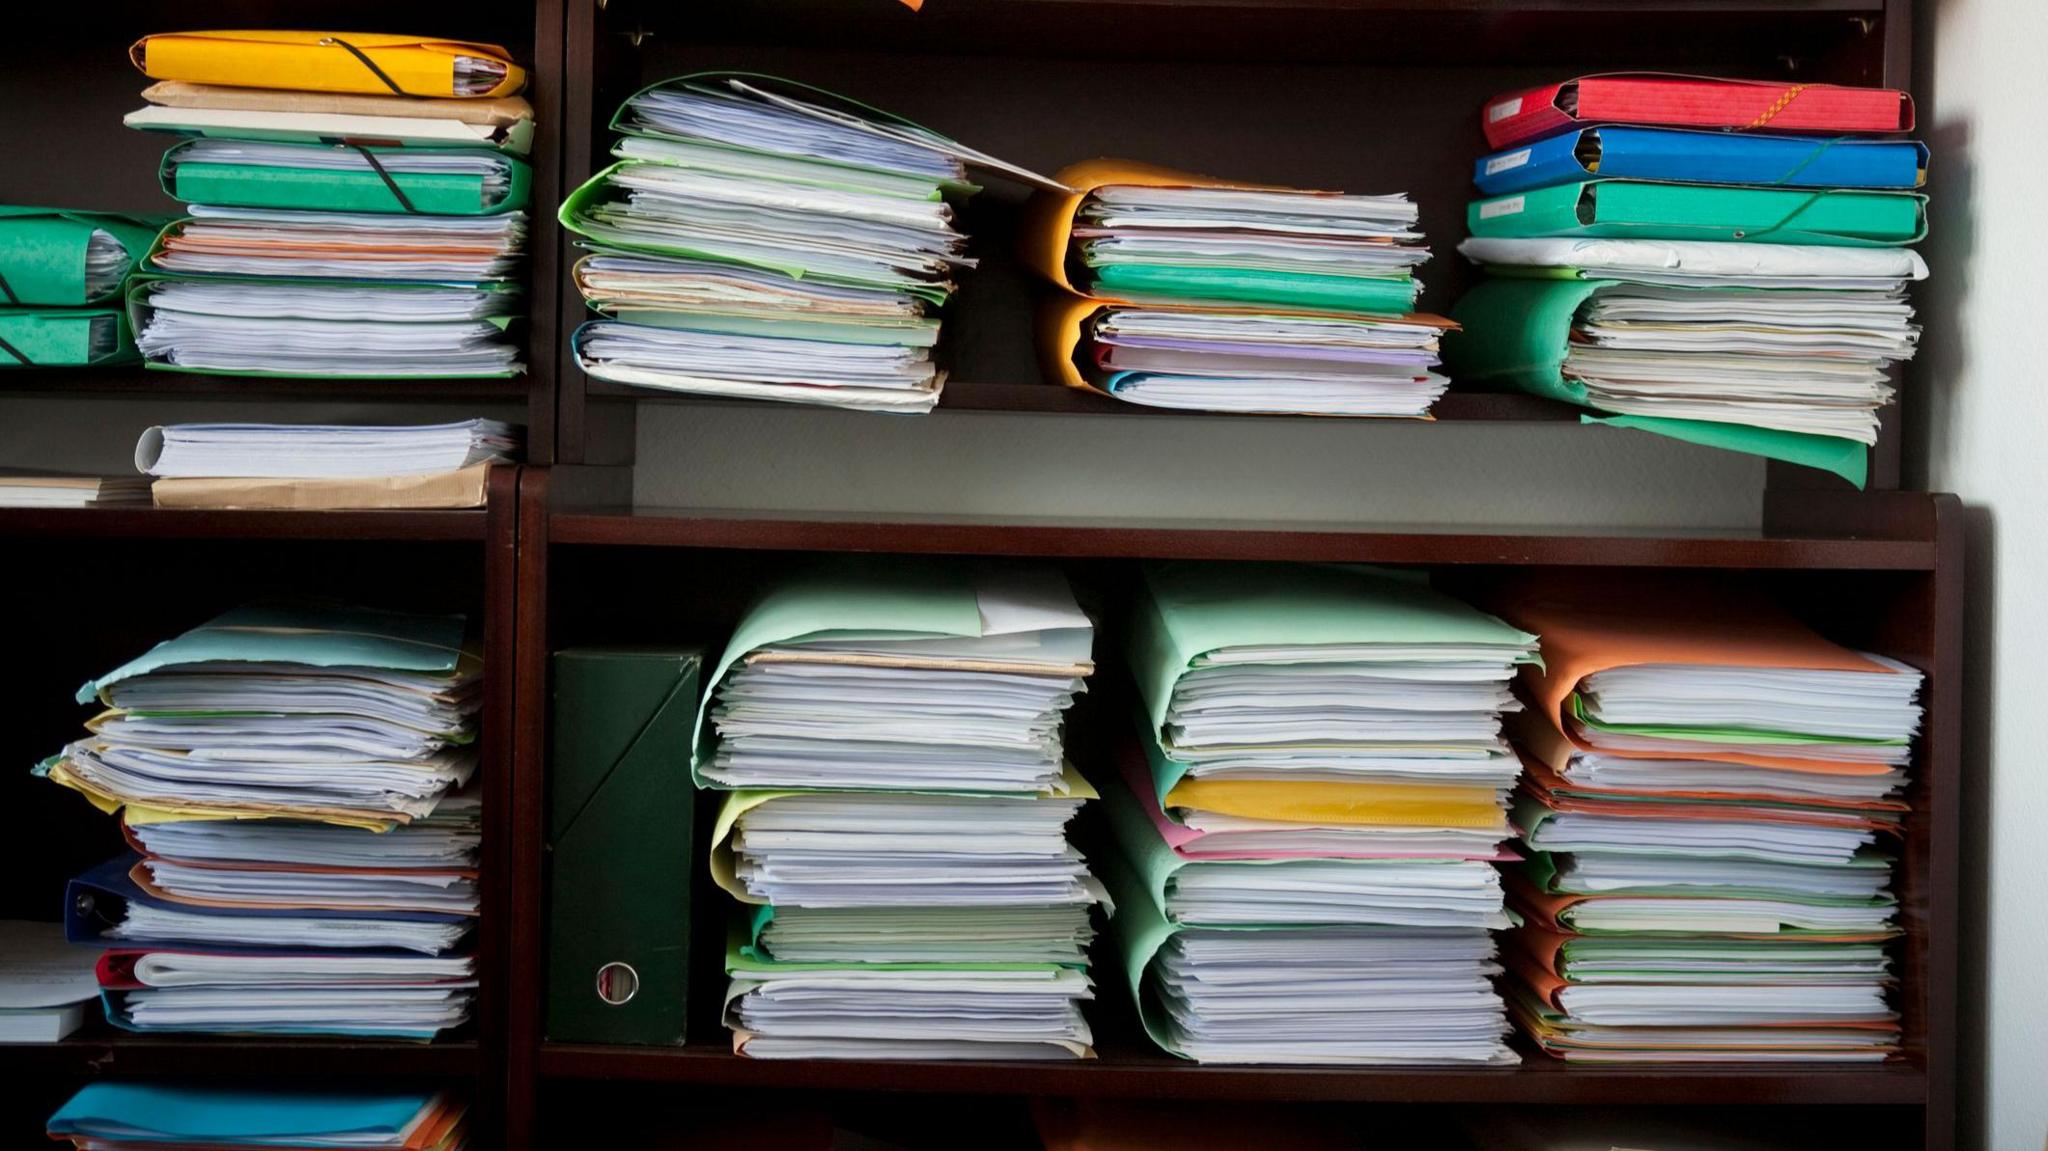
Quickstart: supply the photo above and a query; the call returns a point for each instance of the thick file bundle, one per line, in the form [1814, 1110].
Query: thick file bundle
[118, 1116]
[1191, 292]
[324, 465]
[292, 779]
[218, 111]
[1740, 290]
[939, 912]
[1304, 866]
[762, 239]
[61, 273]
[1711, 810]
[345, 177]
[22, 489]
[361, 62]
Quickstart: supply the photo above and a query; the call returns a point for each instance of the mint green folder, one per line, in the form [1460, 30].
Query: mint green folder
[64, 337]
[1643, 210]
[1143, 282]
[1515, 333]
[363, 190]
[43, 254]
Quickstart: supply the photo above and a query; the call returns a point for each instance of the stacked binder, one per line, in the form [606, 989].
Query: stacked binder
[302, 256]
[761, 239]
[1669, 254]
[1181, 291]
[897, 819]
[61, 274]
[131, 1116]
[324, 466]
[1304, 866]
[291, 779]
[1711, 808]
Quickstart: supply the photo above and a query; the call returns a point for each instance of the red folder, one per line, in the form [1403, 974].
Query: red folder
[1693, 102]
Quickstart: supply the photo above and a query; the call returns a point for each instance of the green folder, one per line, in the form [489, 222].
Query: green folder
[320, 190]
[1515, 332]
[43, 252]
[1140, 282]
[64, 337]
[1643, 210]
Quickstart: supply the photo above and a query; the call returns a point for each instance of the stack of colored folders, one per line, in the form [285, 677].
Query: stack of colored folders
[898, 836]
[1711, 809]
[1720, 261]
[127, 1116]
[762, 239]
[1181, 291]
[290, 778]
[1304, 865]
[306, 257]
[61, 275]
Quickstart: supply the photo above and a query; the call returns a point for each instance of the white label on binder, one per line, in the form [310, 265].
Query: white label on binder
[1501, 164]
[1508, 207]
[1503, 110]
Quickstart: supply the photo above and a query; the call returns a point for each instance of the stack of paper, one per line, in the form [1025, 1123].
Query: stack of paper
[938, 911]
[46, 982]
[766, 240]
[1741, 290]
[1305, 846]
[1193, 293]
[130, 1116]
[324, 465]
[61, 274]
[313, 249]
[25, 489]
[291, 777]
[1711, 811]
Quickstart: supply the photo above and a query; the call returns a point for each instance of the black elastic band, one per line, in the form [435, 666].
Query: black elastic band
[11, 350]
[367, 63]
[7, 288]
[378, 167]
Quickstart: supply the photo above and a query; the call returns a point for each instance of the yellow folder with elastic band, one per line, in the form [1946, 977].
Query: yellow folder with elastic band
[1349, 803]
[364, 62]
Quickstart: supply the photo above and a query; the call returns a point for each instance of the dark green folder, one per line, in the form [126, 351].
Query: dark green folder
[1643, 210]
[1515, 333]
[620, 813]
[63, 338]
[43, 250]
[321, 190]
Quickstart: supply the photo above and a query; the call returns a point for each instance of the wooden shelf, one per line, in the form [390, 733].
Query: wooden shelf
[139, 381]
[193, 523]
[108, 1052]
[1138, 1075]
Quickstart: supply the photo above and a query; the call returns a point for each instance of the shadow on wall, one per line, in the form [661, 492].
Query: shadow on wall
[1930, 402]
[1980, 700]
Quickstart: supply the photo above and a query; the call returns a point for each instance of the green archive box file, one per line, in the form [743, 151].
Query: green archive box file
[621, 809]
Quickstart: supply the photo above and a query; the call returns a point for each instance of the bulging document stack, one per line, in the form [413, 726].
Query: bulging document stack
[62, 272]
[292, 781]
[900, 836]
[1733, 287]
[309, 251]
[1306, 836]
[1711, 810]
[133, 1116]
[324, 465]
[1194, 293]
[761, 239]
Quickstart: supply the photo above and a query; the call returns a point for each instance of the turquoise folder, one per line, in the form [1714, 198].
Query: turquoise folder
[367, 189]
[43, 251]
[156, 1113]
[64, 337]
[1642, 210]
[1384, 295]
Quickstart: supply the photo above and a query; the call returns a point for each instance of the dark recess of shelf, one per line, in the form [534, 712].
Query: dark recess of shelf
[101, 1051]
[208, 523]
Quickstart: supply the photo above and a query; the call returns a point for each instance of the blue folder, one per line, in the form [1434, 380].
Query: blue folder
[155, 1113]
[1703, 158]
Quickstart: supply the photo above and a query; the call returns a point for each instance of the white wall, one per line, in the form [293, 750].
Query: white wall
[1984, 75]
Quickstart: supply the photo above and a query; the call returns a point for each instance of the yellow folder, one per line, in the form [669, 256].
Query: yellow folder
[1049, 216]
[364, 62]
[1383, 804]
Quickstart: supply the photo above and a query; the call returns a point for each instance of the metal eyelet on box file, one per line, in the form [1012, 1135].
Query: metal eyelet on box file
[617, 983]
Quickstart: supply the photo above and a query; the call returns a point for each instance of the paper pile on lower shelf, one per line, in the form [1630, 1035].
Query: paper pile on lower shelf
[119, 1116]
[304, 467]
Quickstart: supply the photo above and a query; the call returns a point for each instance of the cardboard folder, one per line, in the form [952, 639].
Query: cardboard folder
[1693, 102]
[368, 189]
[1691, 156]
[43, 251]
[620, 819]
[1637, 209]
[63, 337]
[216, 110]
[462, 488]
[319, 62]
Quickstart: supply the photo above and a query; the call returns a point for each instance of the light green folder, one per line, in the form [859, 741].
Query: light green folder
[64, 337]
[43, 254]
[252, 185]
[1643, 210]
[1382, 295]
[1515, 332]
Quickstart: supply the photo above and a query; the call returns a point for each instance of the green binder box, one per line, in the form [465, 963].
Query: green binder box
[1641, 209]
[621, 809]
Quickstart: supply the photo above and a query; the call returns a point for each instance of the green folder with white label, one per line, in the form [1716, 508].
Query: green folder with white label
[68, 258]
[1646, 210]
[346, 178]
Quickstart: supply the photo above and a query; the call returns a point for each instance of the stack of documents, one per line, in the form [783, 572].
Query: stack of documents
[131, 1116]
[291, 778]
[1304, 870]
[61, 274]
[1734, 287]
[324, 465]
[1711, 810]
[762, 239]
[1188, 292]
[900, 832]
[24, 489]
[318, 244]
[46, 982]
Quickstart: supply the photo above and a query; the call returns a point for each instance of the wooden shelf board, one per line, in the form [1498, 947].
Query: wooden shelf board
[142, 382]
[196, 523]
[104, 1052]
[1153, 1076]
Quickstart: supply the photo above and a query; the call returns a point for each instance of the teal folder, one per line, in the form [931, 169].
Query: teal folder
[1641, 210]
[1141, 282]
[363, 189]
[64, 337]
[43, 253]
[158, 1113]
[621, 811]
[1515, 333]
